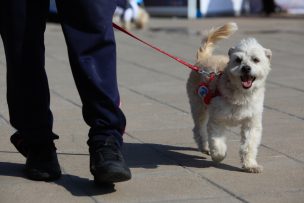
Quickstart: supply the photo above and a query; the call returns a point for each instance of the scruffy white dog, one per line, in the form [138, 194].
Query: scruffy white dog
[229, 91]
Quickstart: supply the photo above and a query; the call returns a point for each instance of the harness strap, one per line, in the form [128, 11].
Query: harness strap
[204, 90]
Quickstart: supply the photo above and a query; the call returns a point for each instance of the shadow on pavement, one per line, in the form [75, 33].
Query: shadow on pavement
[11, 169]
[79, 186]
[138, 155]
[76, 185]
[145, 155]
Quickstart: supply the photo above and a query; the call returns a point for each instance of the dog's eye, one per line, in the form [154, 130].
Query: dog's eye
[238, 60]
[255, 60]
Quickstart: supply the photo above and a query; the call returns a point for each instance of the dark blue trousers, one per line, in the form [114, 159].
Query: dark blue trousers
[87, 27]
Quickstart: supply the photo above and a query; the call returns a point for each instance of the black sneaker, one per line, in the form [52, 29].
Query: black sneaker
[42, 164]
[107, 164]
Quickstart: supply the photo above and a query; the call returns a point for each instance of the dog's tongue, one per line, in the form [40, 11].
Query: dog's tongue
[247, 81]
[247, 84]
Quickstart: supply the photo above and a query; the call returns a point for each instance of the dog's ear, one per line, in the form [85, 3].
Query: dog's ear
[268, 53]
[231, 50]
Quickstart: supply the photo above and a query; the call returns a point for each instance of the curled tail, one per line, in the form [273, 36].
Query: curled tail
[213, 36]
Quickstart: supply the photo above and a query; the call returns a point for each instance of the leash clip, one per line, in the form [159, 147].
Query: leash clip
[209, 74]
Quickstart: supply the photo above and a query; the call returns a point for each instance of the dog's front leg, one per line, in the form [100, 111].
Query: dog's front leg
[217, 140]
[251, 133]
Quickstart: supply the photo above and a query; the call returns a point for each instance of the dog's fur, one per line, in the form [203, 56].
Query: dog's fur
[241, 87]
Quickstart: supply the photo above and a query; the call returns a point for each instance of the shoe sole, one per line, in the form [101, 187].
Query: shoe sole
[34, 174]
[112, 177]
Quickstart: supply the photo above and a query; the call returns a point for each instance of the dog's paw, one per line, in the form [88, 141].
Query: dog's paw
[253, 169]
[218, 150]
[218, 157]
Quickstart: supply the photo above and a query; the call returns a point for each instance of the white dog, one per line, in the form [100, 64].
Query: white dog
[229, 91]
[133, 16]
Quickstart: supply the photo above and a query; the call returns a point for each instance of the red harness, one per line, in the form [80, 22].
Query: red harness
[203, 89]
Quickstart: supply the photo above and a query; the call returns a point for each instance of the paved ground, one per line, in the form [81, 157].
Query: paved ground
[159, 147]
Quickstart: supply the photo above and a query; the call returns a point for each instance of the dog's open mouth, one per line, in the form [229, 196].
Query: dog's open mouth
[247, 81]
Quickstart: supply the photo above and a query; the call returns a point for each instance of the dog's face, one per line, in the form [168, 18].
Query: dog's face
[249, 64]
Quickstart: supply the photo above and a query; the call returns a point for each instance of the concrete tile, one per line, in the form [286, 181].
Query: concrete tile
[147, 165]
[14, 187]
[162, 188]
[174, 136]
[202, 200]
[295, 196]
[283, 133]
[280, 174]
[291, 101]
[6, 132]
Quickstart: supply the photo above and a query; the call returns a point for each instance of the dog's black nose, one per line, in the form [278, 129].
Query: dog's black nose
[246, 69]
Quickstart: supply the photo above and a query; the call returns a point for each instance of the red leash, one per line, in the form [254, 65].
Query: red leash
[195, 68]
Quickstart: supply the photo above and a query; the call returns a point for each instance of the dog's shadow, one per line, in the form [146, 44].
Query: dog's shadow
[145, 155]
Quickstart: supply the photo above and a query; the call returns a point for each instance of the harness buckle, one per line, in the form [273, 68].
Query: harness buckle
[203, 90]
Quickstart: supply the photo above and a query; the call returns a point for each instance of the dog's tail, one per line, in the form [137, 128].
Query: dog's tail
[213, 36]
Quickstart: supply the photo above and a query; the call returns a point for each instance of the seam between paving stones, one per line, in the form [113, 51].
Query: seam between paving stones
[187, 112]
[283, 112]
[140, 66]
[183, 111]
[65, 98]
[284, 154]
[285, 86]
[154, 99]
[191, 171]
[4, 119]
[214, 199]
[269, 193]
[277, 151]
[172, 106]
[81, 189]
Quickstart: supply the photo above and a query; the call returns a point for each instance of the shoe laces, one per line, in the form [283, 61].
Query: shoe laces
[108, 152]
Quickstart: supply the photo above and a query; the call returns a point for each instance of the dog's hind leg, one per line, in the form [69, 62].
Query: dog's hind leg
[200, 132]
[199, 113]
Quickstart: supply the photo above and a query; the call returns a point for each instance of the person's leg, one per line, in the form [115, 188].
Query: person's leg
[87, 26]
[22, 30]
[27, 87]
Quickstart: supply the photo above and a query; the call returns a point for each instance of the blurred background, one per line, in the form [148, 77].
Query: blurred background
[211, 8]
[205, 8]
